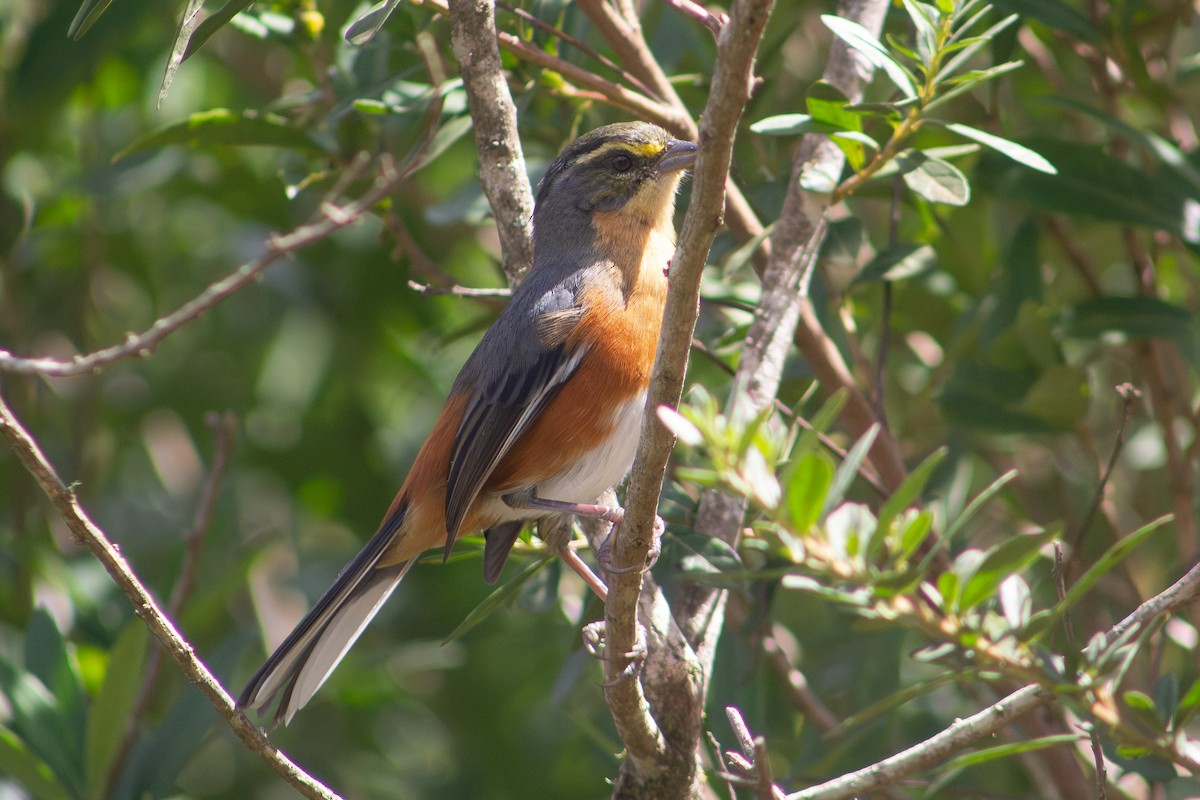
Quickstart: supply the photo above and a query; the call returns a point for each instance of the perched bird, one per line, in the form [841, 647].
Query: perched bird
[545, 414]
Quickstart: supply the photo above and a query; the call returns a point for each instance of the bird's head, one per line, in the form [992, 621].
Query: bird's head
[630, 170]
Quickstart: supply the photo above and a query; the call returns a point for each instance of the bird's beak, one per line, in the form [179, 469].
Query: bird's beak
[678, 155]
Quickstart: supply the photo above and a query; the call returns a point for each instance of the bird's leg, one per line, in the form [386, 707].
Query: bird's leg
[555, 531]
[615, 514]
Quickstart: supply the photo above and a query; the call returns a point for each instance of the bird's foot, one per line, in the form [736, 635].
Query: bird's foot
[594, 643]
[604, 554]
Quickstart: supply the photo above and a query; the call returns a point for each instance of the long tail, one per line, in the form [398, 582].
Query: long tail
[310, 653]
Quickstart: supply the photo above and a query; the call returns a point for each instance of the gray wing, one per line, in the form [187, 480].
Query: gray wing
[532, 363]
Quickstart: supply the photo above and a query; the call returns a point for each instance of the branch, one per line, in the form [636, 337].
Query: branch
[966, 732]
[330, 218]
[727, 98]
[145, 606]
[961, 734]
[502, 169]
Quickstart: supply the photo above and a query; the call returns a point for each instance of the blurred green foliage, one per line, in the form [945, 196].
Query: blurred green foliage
[1010, 319]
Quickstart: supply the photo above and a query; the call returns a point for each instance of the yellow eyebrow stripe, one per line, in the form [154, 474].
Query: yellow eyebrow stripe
[642, 149]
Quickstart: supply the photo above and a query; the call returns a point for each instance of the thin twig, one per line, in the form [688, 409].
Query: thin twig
[458, 291]
[627, 700]
[714, 22]
[961, 734]
[582, 47]
[1129, 393]
[145, 606]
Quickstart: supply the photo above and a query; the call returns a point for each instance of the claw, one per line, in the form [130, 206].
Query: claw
[604, 554]
[593, 642]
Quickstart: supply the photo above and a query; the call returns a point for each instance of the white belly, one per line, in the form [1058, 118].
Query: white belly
[603, 467]
[598, 470]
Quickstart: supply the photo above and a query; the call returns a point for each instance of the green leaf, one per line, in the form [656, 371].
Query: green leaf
[806, 489]
[783, 125]
[911, 530]
[894, 701]
[1168, 154]
[1187, 705]
[1091, 182]
[222, 127]
[1014, 400]
[827, 104]
[827, 414]
[503, 595]
[86, 17]
[1137, 317]
[936, 180]
[910, 489]
[998, 563]
[977, 503]
[48, 658]
[1113, 556]
[864, 42]
[364, 28]
[213, 23]
[187, 24]
[965, 48]
[1017, 152]
[41, 725]
[1056, 14]
[114, 703]
[1006, 750]
[924, 19]
[1020, 282]
[31, 773]
[897, 263]
[847, 471]
[447, 134]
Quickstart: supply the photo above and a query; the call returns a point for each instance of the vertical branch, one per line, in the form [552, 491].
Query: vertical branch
[798, 236]
[673, 691]
[501, 160]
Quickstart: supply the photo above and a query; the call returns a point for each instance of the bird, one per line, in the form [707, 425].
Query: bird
[545, 414]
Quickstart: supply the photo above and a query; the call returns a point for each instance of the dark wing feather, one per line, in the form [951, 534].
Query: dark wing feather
[495, 417]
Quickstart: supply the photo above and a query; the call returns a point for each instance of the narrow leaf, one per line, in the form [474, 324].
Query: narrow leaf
[936, 180]
[1136, 316]
[968, 47]
[114, 703]
[1056, 14]
[999, 563]
[86, 17]
[213, 23]
[782, 125]
[910, 489]
[848, 469]
[977, 503]
[864, 42]
[1006, 750]
[224, 127]
[31, 773]
[187, 24]
[807, 487]
[363, 29]
[503, 595]
[1113, 556]
[1017, 152]
[897, 263]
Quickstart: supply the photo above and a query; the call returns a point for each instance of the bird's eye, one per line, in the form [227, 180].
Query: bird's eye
[622, 163]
